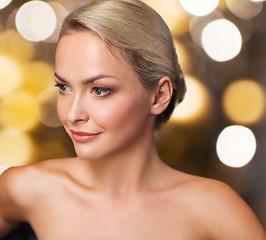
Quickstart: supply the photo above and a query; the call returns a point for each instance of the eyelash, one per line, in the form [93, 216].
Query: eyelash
[107, 90]
[93, 90]
[61, 86]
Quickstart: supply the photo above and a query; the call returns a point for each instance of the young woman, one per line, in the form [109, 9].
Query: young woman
[119, 79]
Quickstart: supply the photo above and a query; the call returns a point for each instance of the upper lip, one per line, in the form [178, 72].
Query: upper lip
[83, 133]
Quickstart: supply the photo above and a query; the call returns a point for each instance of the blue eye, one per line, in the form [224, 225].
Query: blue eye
[62, 87]
[102, 92]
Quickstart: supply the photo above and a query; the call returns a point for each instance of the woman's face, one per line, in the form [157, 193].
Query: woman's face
[101, 104]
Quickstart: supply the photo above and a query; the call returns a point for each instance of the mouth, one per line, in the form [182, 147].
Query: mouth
[83, 137]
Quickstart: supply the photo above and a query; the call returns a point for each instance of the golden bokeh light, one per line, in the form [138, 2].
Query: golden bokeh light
[245, 9]
[46, 107]
[236, 146]
[221, 40]
[14, 45]
[196, 103]
[172, 13]
[16, 148]
[17, 111]
[36, 20]
[10, 75]
[244, 101]
[199, 7]
[37, 75]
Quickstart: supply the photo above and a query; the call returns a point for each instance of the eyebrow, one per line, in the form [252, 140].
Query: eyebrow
[87, 81]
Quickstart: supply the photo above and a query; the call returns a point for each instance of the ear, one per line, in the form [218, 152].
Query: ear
[162, 95]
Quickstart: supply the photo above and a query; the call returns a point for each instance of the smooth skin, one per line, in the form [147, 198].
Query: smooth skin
[117, 187]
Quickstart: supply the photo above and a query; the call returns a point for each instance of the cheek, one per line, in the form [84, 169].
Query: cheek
[122, 114]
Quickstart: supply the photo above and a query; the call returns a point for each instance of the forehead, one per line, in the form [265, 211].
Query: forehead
[86, 53]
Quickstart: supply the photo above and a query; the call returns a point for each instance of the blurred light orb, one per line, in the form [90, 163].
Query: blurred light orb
[4, 3]
[195, 103]
[221, 40]
[244, 101]
[10, 75]
[61, 12]
[245, 9]
[16, 148]
[236, 146]
[37, 76]
[36, 21]
[199, 7]
[14, 45]
[197, 24]
[172, 13]
[45, 107]
[17, 111]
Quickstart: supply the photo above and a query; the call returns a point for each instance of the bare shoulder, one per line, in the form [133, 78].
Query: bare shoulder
[13, 184]
[222, 213]
[14, 193]
[20, 186]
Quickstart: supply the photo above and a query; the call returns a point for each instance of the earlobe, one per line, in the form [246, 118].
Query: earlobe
[162, 95]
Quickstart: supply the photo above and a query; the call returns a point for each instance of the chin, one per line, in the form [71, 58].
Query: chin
[85, 153]
[86, 157]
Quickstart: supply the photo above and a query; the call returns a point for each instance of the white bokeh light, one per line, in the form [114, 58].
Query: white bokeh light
[197, 24]
[221, 40]
[4, 3]
[236, 146]
[199, 7]
[36, 21]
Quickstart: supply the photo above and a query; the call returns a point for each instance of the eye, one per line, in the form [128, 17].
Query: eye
[62, 87]
[100, 91]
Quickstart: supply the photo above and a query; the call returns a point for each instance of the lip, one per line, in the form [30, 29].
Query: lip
[83, 137]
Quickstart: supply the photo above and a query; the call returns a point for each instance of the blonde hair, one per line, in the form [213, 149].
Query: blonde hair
[141, 34]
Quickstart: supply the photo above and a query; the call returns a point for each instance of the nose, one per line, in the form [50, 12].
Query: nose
[77, 111]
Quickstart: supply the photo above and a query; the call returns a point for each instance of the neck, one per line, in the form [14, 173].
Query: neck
[128, 171]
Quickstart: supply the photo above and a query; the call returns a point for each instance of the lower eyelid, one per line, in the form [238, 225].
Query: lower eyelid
[108, 90]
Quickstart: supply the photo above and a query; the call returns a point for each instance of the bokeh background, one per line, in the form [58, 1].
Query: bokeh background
[218, 131]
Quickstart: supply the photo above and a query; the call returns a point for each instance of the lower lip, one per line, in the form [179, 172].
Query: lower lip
[83, 138]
